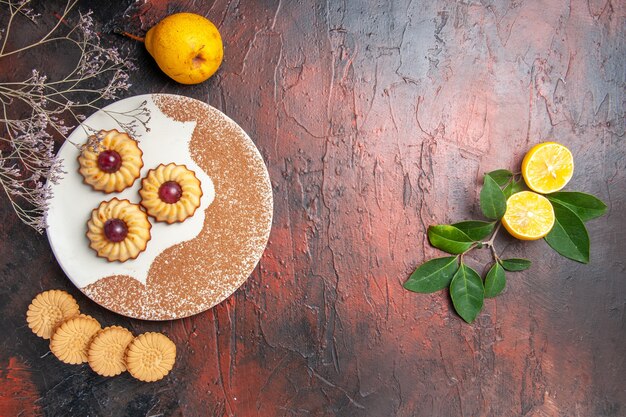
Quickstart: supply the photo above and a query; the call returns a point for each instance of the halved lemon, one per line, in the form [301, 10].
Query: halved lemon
[547, 167]
[528, 216]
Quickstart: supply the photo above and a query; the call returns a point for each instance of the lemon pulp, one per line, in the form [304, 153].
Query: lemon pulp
[528, 216]
[547, 167]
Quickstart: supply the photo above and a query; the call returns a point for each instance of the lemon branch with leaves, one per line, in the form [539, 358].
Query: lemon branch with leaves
[545, 212]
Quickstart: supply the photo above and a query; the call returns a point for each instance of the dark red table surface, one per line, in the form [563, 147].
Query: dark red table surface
[375, 119]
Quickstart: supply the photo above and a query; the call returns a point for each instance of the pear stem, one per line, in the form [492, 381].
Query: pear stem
[122, 32]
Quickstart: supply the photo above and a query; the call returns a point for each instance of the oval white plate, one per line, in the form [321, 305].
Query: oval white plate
[165, 141]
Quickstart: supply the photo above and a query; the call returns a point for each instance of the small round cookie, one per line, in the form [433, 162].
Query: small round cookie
[107, 349]
[150, 356]
[71, 339]
[49, 309]
[118, 230]
[170, 193]
[113, 164]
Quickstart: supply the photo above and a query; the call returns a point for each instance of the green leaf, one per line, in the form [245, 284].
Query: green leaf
[501, 176]
[449, 239]
[569, 236]
[467, 292]
[433, 275]
[495, 281]
[586, 206]
[515, 264]
[492, 200]
[475, 229]
[512, 188]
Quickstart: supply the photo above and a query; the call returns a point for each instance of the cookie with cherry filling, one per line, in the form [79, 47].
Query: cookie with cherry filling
[170, 193]
[112, 162]
[118, 230]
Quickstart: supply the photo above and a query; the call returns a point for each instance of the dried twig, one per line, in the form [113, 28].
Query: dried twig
[28, 164]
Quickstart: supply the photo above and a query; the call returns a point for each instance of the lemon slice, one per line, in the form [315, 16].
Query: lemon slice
[547, 167]
[528, 216]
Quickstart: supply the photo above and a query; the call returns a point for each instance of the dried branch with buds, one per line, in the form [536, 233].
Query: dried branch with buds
[36, 110]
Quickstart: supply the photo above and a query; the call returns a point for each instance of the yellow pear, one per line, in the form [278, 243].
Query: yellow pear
[186, 46]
